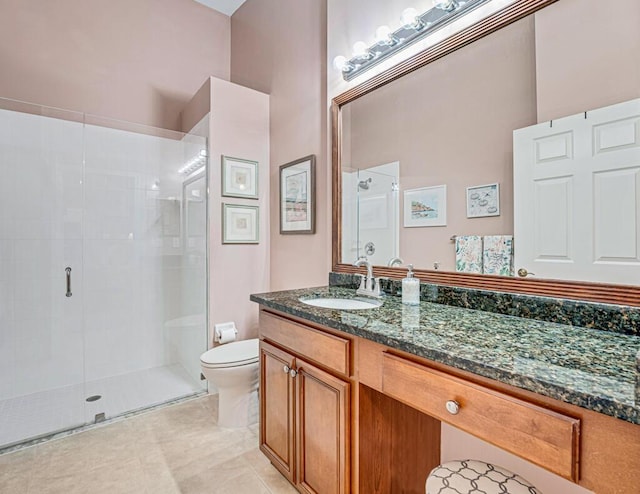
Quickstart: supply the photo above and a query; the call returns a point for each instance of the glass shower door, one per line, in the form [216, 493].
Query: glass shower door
[41, 265]
[144, 312]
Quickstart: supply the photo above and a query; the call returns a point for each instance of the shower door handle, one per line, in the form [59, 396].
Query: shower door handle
[68, 271]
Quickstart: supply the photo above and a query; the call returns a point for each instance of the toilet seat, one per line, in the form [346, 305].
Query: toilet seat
[236, 354]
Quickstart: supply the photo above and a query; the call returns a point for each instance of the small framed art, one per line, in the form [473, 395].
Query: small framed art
[239, 178]
[483, 200]
[240, 224]
[425, 207]
[297, 196]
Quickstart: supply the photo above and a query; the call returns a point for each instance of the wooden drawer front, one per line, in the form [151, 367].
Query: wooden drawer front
[322, 348]
[541, 436]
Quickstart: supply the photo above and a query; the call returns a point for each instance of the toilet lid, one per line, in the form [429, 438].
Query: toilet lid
[232, 354]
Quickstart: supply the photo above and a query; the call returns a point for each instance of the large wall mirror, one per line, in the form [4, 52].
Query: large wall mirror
[449, 121]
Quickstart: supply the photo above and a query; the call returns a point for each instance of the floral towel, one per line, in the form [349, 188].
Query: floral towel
[469, 253]
[498, 255]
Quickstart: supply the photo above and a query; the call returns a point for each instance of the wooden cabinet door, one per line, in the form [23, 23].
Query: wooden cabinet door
[322, 431]
[277, 412]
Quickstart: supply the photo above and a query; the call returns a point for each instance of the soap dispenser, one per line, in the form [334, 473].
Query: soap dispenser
[410, 288]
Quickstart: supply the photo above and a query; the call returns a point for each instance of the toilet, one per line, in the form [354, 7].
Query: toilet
[233, 369]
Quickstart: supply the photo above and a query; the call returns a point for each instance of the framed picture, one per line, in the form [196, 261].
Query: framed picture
[239, 178]
[240, 224]
[425, 207]
[297, 196]
[483, 200]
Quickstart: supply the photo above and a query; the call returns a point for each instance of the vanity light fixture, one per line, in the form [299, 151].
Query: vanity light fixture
[414, 27]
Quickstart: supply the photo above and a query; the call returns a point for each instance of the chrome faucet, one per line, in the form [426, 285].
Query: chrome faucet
[368, 284]
[395, 261]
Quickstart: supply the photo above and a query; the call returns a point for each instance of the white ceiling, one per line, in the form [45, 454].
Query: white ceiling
[227, 7]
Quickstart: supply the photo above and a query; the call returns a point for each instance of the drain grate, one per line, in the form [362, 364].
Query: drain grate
[93, 398]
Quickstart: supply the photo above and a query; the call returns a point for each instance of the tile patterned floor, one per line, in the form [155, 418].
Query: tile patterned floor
[32, 415]
[175, 449]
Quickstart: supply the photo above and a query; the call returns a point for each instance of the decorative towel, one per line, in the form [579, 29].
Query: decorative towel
[498, 255]
[469, 253]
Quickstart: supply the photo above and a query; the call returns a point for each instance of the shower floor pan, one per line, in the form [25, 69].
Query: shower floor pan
[40, 414]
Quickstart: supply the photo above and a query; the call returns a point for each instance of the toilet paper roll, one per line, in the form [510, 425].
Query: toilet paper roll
[227, 335]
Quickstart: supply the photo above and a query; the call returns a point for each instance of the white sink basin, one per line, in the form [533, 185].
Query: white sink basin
[343, 303]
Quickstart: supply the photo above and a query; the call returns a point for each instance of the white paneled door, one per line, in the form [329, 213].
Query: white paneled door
[577, 196]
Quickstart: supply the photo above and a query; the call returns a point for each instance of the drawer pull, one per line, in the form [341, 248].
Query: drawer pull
[453, 407]
[286, 369]
[293, 373]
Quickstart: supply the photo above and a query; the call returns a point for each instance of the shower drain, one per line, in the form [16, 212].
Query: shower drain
[93, 398]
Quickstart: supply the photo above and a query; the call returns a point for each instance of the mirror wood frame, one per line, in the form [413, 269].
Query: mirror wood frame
[577, 290]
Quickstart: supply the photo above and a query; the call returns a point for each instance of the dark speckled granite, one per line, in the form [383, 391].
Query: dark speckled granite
[597, 370]
[607, 317]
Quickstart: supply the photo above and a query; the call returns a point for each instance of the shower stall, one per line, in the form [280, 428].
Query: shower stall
[370, 213]
[103, 268]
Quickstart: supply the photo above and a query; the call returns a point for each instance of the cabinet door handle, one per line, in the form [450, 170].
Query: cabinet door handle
[453, 407]
[293, 373]
[286, 369]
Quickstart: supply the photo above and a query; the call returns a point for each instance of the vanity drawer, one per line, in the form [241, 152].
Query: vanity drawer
[541, 436]
[322, 348]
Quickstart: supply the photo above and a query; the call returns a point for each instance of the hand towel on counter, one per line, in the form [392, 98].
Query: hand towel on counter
[469, 253]
[497, 255]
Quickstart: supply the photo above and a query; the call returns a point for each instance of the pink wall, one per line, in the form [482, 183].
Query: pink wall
[239, 127]
[279, 47]
[588, 56]
[451, 124]
[139, 61]
[238, 120]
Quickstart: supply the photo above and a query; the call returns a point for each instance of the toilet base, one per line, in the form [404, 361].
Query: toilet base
[237, 408]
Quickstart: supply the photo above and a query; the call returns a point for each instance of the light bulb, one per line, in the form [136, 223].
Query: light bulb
[361, 50]
[446, 5]
[384, 36]
[339, 62]
[409, 18]
[342, 64]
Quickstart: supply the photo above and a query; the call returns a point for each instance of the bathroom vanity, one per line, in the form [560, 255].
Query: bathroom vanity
[353, 400]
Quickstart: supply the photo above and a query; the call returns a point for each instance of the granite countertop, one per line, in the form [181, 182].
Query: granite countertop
[590, 368]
